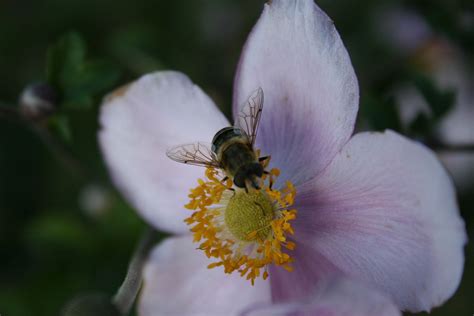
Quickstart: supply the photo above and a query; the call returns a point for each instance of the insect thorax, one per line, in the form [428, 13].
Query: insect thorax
[223, 137]
[234, 154]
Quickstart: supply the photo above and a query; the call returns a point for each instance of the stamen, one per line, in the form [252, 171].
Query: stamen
[244, 231]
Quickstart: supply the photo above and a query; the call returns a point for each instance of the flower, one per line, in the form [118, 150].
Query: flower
[246, 231]
[375, 208]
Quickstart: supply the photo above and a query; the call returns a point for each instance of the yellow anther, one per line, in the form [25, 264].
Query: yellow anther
[244, 231]
[275, 172]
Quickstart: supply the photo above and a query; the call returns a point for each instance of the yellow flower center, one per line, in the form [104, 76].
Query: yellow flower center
[244, 231]
[247, 213]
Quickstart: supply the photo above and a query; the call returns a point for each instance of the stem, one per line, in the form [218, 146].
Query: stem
[59, 150]
[438, 146]
[128, 291]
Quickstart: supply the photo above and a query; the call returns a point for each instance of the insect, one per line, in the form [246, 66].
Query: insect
[232, 148]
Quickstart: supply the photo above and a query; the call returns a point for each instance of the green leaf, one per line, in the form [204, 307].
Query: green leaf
[78, 80]
[64, 59]
[94, 78]
[60, 126]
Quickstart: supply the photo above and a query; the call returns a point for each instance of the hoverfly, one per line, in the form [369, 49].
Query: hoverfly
[232, 148]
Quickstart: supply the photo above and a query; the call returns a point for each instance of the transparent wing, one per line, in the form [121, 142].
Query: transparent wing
[198, 154]
[249, 116]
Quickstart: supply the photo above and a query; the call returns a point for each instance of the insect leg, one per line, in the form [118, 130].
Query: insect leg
[228, 187]
[270, 180]
[265, 161]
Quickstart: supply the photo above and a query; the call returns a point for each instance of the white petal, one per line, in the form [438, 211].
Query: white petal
[139, 123]
[296, 56]
[177, 282]
[333, 296]
[385, 211]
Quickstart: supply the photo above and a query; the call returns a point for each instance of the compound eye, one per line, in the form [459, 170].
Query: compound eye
[257, 169]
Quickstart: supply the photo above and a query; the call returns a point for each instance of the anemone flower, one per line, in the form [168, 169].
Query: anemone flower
[375, 208]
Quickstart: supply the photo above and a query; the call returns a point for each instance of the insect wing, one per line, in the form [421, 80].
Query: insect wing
[198, 154]
[249, 116]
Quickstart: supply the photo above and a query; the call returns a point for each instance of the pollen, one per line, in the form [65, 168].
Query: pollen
[244, 232]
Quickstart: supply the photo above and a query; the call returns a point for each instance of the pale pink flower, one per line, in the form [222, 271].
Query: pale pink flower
[374, 208]
[331, 297]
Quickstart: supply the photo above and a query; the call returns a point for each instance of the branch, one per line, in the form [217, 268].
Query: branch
[59, 150]
[438, 146]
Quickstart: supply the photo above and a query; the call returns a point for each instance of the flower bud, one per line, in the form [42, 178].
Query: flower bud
[94, 200]
[38, 101]
[90, 305]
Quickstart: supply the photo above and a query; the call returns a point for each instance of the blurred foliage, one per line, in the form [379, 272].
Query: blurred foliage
[383, 113]
[449, 18]
[439, 102]
[77, 80]
[60, 126]
[53, 246]
[380, 114]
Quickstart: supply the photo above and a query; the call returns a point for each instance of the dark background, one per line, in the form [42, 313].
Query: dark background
[65, 230]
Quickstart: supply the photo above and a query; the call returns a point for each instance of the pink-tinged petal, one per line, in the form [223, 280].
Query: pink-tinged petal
[332, 297]
[296, 56]
[385, 212]
[309, 269]
[177, 282]
[139, 123]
